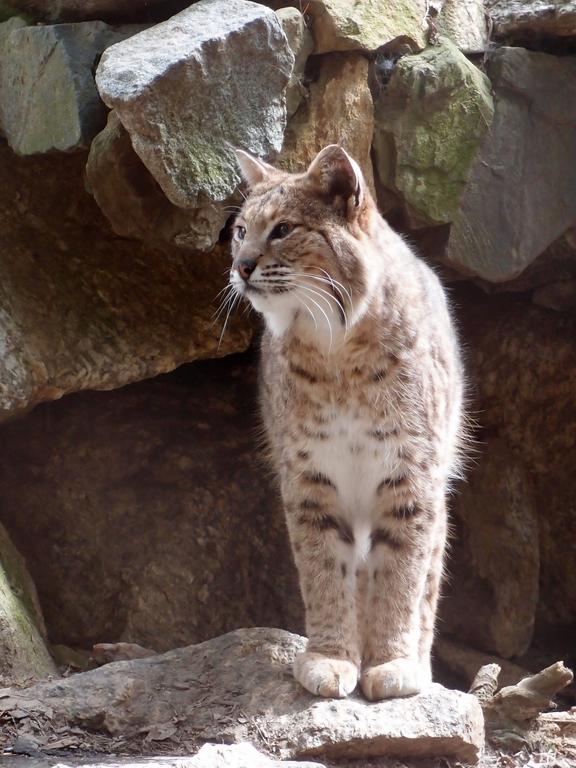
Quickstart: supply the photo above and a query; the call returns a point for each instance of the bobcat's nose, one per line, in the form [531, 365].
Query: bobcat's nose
[246, 267]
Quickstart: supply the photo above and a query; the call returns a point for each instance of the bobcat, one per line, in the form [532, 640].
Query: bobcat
[361, 396]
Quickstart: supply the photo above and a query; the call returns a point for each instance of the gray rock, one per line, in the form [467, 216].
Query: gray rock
[191, 89]
[150, 504]
[430, 120]
[133, 202]
[531, 19]
[349, 25]
[464, 22]
[23, 653]
[520, 196]
[301, 42]
[492, 594]
[239, 687]
[81, 308]
[48, 99]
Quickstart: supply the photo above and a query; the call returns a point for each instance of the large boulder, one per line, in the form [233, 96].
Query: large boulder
[191, 89]
[48, 98]
[492, 592]
[338, 107]
[23, 654]
[522, 360]
[465, 23]
[133, 202]
[520, 197]
[431, 116]
[348, 25]
[239, 687]
[299, 36]
[81, 308]
[167, 520]
[530, 20]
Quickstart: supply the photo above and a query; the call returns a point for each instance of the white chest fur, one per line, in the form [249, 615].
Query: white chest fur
[357, 462]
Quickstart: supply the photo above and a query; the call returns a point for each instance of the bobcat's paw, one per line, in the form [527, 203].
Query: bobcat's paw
[325, 676]
[400, 677]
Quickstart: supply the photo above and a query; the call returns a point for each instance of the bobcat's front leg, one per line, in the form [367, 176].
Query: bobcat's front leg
[323, 546]
[396, 652]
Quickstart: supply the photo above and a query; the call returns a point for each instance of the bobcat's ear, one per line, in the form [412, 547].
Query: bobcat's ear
[338, 175]
[253, 170]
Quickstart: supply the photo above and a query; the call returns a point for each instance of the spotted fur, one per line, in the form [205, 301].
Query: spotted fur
[361, 400]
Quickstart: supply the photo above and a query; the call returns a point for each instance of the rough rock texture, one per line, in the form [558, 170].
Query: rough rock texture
[464, 22]
[191, 89]
[107, 10]
[556, 266]
[301, 42]
[133, 202]
[48, 99]
[83, 309]
[526, 19]
[239, 687]
[23, 654]
[492, 593]
[339, 107]
[166, 518]
[430, 120]
[347, 25]
[520, 197]
[522, 360]
[209, 756]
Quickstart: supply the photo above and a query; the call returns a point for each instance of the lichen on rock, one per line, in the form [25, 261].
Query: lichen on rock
[348, 25]
[430, 120]
[191, 89]
[24, 657]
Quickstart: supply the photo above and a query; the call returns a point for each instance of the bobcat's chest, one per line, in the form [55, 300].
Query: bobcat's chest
[356, 450]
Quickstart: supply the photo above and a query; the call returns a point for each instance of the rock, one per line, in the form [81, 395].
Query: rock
[492, 592]
[464, 22]
[133, 202]
[301, 42]
[239, 687]
[158, 549]
[556, 265]
[23, 654]
[532, 19]
[347, 25]
[560, 295]
[106, 10]
[82, 309]
[105, 653]
[339, 106]
[529, 146]
[522, 360]
[48, 99]
[240, 756]
[465, 662]
[430, 120]
[210, 756]
[218, 70]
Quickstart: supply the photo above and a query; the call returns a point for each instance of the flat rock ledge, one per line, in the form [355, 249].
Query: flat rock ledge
[239, 688]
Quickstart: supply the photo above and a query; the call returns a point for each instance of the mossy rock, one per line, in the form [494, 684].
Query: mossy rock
[431, 117]
[23, 653]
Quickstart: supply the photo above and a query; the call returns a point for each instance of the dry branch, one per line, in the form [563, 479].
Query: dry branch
[514, 708]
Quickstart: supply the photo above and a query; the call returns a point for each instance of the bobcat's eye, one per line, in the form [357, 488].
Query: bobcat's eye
[240, 233]
[280, 231]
